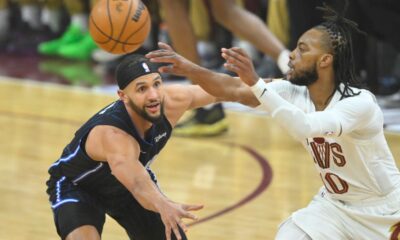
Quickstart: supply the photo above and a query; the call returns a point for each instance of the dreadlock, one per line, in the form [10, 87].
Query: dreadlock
[338, 29]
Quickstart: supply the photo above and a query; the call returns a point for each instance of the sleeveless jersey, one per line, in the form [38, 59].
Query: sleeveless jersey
[76, 167]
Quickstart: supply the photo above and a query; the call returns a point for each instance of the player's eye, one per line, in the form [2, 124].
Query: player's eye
[141, 89]
[157, 84]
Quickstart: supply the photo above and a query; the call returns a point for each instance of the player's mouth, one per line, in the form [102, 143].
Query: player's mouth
[291, 70]
[153, 107]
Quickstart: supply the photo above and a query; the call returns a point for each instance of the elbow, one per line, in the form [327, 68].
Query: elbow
[302, 132]
[296, 123]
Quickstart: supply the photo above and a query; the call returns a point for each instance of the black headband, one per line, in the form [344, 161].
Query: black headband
[132, 67]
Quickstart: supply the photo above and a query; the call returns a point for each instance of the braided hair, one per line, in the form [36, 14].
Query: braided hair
[338, 39]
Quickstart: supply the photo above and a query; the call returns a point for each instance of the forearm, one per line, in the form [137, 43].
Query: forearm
[217, 84]
[139, 184]
[147, 194]
[298, 123]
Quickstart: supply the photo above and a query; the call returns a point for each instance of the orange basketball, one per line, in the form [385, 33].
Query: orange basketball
[119, 26]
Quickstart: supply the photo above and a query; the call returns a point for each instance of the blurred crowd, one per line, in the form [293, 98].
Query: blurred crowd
[267, 29]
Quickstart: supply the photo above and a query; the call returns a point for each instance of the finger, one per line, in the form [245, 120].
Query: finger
[231, 54]
[176, 232]
[189, 215]
[237, 63]
[193, 207]
[240, 51]
[166, 69]
[162, 58]
[159, 53]
[182, 225]
[240, 54]
[168, 232]
[163, 45]
[232, 68]
[230, 59]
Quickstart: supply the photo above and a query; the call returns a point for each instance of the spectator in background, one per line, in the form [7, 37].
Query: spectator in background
[211, 120]
[75, 42]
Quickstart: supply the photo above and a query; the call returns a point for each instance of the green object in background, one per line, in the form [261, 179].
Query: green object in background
[81, 50]
[76, 73]
[73, 34]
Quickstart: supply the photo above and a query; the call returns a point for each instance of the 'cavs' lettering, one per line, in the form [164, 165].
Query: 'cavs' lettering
[395, 230]
[323, 151]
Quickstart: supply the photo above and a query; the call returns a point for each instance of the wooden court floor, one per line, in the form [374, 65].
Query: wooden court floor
[249, 179]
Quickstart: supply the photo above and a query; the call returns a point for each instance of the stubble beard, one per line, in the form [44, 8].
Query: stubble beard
[305, 77]
[143, 113]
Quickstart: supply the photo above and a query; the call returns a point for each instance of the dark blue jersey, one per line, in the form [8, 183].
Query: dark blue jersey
[77, 167]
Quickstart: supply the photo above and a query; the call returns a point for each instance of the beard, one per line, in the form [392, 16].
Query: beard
[142, 112]
[305, 77]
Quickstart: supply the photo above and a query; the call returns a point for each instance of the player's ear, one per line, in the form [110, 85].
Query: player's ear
[325, 60]
[122, 96]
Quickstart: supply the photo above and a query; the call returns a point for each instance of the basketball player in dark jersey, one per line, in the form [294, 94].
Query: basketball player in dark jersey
[105, 169]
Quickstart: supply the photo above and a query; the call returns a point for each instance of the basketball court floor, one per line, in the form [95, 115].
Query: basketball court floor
[249, 179]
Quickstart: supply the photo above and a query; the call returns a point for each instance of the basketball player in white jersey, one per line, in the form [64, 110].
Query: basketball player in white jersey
[340, 125]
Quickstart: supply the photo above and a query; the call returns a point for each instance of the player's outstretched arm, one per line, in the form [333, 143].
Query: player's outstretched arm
[239, 62]
[348, 115]
[122, 153]
[220, 85]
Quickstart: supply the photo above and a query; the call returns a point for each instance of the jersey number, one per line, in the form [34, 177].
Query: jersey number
[324, 154]
[336, 184]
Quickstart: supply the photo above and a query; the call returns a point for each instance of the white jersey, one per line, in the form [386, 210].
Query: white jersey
[346, 140]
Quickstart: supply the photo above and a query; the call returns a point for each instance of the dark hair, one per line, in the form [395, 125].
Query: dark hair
[338, 30]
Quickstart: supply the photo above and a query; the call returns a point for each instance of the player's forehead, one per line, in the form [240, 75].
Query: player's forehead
[311, 38]
[146, 79]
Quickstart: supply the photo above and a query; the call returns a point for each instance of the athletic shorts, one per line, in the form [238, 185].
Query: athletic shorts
[325, 218]
[74, 207]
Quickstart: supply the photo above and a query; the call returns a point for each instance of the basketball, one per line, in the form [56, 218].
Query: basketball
[119, 26]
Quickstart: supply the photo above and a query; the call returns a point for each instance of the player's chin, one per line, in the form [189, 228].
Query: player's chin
[289, 74]
[154, 112]
[288, 77]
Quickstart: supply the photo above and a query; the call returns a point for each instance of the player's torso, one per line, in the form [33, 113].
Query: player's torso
[351, 168]
[80, 169]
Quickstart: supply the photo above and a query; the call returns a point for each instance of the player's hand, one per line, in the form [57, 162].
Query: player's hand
[178, 65]
[172, 214]
[239, 62]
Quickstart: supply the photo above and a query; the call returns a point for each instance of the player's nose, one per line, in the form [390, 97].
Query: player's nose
[153, 93]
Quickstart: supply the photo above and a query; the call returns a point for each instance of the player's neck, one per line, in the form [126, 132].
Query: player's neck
[321, 92]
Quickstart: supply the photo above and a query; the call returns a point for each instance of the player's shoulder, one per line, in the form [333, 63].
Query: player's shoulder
[177, 89]
[363, 95]
[283, 86]
[110, 133]
[181, 92]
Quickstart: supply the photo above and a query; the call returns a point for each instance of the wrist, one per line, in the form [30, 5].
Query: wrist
[259, 88]
[159, 204]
